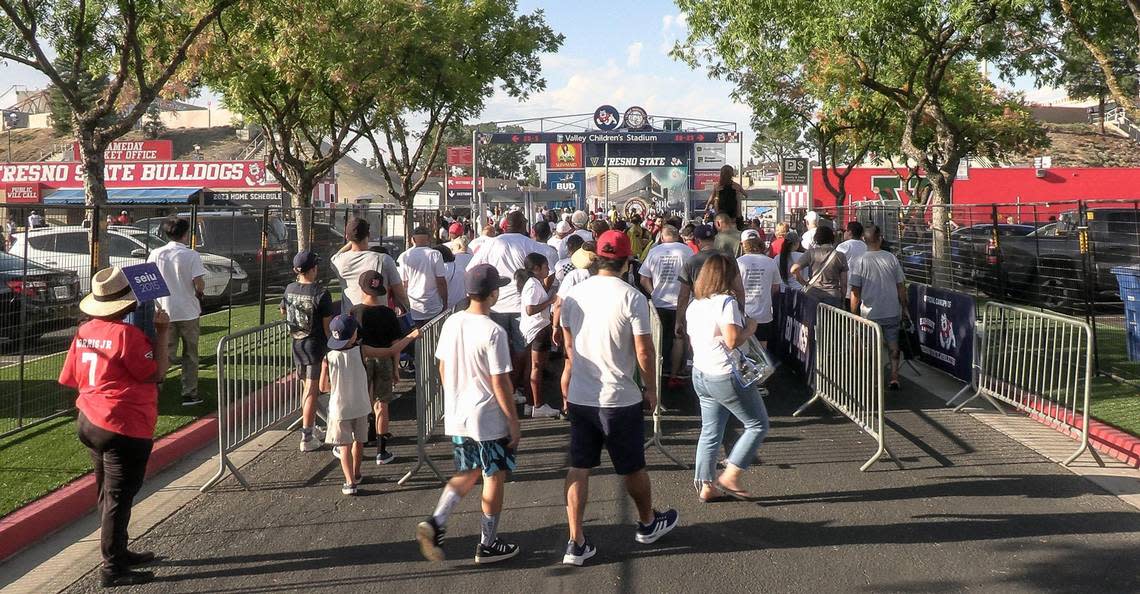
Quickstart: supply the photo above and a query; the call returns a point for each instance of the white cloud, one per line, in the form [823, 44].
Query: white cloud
[633, 54]
[673, 28]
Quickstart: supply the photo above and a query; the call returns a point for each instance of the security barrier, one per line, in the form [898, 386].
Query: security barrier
[429, 394]
[1038, 362]
[655, 439]
[849, 372]
[257, 390]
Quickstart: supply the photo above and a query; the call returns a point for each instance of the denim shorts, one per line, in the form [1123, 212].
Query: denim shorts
[890, 328]
[510, 323]
[621, 431]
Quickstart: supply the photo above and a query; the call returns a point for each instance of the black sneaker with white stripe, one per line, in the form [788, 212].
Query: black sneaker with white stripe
[430, 537]
[576, 554]
[498, 551]
[662, 523]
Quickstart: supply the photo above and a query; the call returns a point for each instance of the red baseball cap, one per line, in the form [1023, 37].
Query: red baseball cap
[614, 245]
[455, 229]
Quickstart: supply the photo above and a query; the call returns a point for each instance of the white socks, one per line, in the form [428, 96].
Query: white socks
[489, 526]
[447, 502]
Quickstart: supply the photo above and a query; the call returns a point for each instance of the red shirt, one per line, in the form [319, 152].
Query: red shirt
[775, 247]
[111, 364]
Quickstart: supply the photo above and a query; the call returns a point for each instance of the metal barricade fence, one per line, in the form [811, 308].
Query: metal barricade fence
[429, 394]
[657, 332]
[849, 376]
[257, 389]
[1040, 363]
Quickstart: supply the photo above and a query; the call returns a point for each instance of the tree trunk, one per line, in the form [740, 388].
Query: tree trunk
[940, 186]
[409, 222]
[301, 202]
[1101, 103]
[94, 193]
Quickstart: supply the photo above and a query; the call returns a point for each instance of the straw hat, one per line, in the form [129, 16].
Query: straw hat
[110, 294]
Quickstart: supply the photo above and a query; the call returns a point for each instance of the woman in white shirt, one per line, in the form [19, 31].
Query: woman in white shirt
[716, 327]
[534, 325]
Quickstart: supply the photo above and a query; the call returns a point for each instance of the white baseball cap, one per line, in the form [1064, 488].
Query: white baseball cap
[749, 234]
[563, 227]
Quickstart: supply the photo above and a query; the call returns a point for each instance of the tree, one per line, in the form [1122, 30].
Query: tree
[131, 51]
[461, 50]
[89, 87]
[307, 81]
[152, 124]
[919, 57]
[1109, 31]
[776, 140]
[495, 160]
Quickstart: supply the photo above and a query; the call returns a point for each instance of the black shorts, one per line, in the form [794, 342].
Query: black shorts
[620, 430]
[307, 354]
[766, 332]
[541, 343]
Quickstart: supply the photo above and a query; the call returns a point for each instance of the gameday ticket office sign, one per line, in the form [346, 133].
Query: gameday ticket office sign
[132, 150]
[167, 174]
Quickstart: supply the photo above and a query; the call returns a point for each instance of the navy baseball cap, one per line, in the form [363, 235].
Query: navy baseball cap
[372, 282]
[704, 232]
[482, 279]
[341, 330]
[305, 261]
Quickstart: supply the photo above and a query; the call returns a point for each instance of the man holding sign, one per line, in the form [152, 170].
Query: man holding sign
[185, 276]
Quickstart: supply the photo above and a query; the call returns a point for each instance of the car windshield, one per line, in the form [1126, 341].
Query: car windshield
[225, 235]
[152, 242]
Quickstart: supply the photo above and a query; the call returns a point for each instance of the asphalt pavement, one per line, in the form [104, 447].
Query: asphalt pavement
[972, 510]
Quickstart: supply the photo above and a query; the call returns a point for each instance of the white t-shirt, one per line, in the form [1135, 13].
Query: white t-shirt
[349, 398]
[456, 284]
[474, 245]
[556, 243]
[759, 274]
[507, 253]
[179, 266]
[564, 251]
[532, 294]
[705, 319]
[551, 254]
[878, 274]
[420, 267]
[604, 314]
[571, 280]
[473, 348]
[663, 265]
[808, 239]
[853, 249]
[350, 265]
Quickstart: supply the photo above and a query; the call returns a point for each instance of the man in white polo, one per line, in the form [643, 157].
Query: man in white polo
[185, 276]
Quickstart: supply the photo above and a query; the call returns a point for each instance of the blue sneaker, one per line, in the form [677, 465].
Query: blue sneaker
[577, 554]
[662, 523]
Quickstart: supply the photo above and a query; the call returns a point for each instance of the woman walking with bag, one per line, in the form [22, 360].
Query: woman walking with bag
[828, 266]
[716, 328]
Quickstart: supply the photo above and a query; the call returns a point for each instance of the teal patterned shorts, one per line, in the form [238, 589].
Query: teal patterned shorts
[488, 456]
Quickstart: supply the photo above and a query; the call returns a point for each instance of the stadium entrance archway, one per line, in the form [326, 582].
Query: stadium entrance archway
[633, 162]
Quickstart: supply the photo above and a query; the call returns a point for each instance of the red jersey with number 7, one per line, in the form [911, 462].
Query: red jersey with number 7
[112, 365]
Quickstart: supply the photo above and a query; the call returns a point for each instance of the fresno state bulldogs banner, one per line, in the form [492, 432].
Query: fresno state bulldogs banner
[795, 322]
[945, 322]
[152, 174]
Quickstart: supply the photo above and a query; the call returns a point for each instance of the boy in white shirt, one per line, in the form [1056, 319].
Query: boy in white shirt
[479, 415]
[344, 377]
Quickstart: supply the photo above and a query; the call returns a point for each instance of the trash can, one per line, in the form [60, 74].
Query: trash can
[1128, 277]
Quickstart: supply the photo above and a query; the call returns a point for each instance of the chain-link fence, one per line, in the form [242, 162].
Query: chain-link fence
[1080, 258]
[47, 264]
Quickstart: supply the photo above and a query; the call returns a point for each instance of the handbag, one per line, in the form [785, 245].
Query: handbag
[751, 364]
[817, 275]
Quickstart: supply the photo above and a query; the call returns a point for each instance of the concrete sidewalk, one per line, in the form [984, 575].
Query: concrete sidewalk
[973, 509]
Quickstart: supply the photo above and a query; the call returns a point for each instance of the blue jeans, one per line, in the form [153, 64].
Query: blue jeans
[719, 397]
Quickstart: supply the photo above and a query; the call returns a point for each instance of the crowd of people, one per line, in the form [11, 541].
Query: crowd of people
[522, 295]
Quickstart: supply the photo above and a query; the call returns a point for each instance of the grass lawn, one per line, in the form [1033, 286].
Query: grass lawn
[38, 460]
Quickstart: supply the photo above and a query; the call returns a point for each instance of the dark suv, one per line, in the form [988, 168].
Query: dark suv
[1048, 264]
[37, 298]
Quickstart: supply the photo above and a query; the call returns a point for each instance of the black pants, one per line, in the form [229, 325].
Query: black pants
[120, 466]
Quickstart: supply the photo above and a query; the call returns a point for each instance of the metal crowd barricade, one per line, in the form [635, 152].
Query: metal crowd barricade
[655, 439]
[849, 376]
[257, 389]
[429, 394]
[1040, 363]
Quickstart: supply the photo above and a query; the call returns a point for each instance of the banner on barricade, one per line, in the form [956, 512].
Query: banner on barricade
[796, 323]
[945, 322]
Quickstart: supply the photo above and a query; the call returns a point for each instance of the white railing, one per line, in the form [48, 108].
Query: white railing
[429, 394]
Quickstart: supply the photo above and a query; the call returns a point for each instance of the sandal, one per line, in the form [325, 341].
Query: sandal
[738, 495]
[893, 385]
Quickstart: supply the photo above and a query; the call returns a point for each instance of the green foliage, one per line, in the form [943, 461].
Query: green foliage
[152, 123]
[777, 140]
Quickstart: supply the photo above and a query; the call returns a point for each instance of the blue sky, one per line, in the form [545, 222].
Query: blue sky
[615, 53]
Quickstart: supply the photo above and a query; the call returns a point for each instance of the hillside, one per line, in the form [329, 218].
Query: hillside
[220, 143]
[1082, 145]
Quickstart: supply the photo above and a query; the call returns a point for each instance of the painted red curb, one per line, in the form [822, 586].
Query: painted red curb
[1102, 436]
[42, 517]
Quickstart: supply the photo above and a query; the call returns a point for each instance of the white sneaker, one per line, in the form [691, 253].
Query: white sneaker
[310, 445]
[318, 432]
[546, 411]
[528, 410]
[520, 398]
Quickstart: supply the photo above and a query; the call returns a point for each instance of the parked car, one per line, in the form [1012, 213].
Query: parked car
[238, 236]
[971, 250]
[1047, 267]
[36, 298]
[69, 248]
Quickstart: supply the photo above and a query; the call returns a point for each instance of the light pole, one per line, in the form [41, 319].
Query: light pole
[10, 118]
